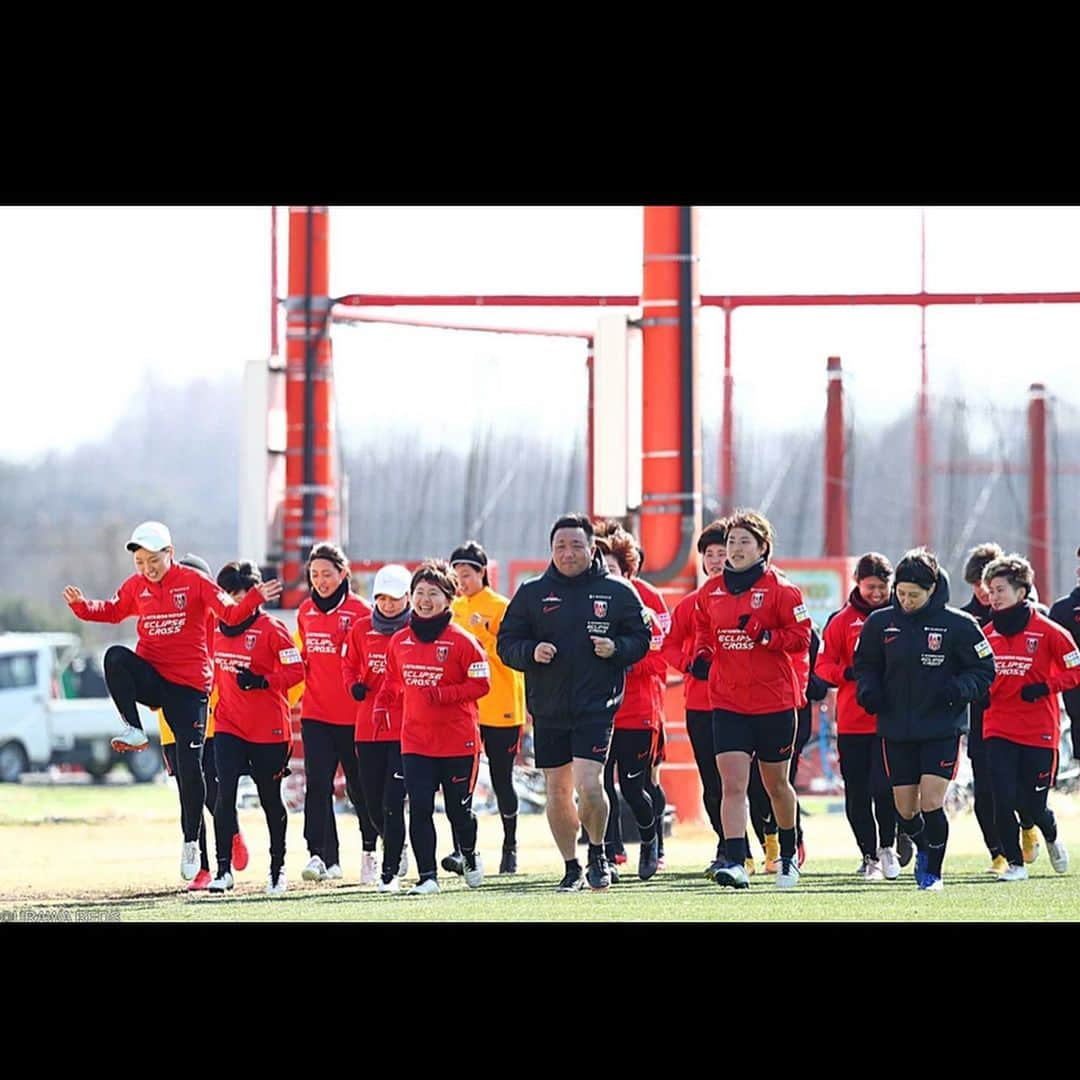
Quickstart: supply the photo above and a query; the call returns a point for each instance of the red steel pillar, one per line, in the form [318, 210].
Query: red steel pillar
[312, 513]
[1039, 492]
[726, 473]
[836, 489]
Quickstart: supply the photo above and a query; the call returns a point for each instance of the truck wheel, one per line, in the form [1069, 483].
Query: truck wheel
[98, 770]
[144, 765]
[13, 762]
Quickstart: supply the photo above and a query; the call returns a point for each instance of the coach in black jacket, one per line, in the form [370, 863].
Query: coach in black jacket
[1066, 612]
[574, 632]
[918, 663]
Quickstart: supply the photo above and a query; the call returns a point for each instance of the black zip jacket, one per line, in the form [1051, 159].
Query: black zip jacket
[918, 672]
[1066, 612]
[566, 612]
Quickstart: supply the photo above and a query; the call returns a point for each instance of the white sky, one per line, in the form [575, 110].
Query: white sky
[94, 299]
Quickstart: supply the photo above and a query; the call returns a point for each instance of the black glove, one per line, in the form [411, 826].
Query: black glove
[700, 668]
[849, 674]
[247, 681]
[743, 620]
[358, 691]
[869, 701]
[949, 697]
[1034, 691]
[816, 688]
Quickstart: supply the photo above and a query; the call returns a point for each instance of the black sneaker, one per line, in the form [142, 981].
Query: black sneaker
[454, 863]
[648, 859]
[904, 848]
[574, 881]
[598, 873]
[508, 862]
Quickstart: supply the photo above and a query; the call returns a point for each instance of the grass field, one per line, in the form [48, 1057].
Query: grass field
[111, 852]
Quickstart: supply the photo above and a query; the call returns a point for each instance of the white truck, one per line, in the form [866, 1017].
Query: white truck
[39, 727]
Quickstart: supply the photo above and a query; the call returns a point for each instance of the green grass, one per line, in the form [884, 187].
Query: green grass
[827, 893]
[41, 803]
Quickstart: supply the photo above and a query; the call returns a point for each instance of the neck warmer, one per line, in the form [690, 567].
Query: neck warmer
[332, 601]
[427, 630]
[1012, 620]
[384, 625]
[738, 581]
[860, 605]
[239, 628]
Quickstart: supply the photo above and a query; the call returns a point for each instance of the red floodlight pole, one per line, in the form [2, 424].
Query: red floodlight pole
[1038, 492]
[836, 489]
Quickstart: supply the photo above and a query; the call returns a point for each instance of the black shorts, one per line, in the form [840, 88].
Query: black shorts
[907, 762]
[589, 739]
[770, 735]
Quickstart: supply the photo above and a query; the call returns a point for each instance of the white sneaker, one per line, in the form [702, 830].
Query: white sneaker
[369, 868]
[1014, 873]
[333, 872]
[315, 869]
[1059, 857]
[276, 888]
[890, 863]
[189, 859]
[391, 886]
[427, 887]
[403, 866]
[222, 883]
[788, 877]
[131, 738]
[871, 869]
[475, 876]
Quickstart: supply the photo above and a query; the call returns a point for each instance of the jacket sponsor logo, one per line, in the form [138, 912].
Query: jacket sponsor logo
[441, 653]
[801, 614]
[757, 598]
[599, 608]
[1032, 645]
[1072, 659]
[547, 609]
[933, 642]
[551, 599]
[145, 592]
[982, 649]
[718, 591]
[249, 641]
[289, 656]
[180, 600]
[479, 669]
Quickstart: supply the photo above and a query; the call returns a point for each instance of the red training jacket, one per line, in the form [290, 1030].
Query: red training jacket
[174, 616]
[641, 704]
[1041, 653]
[322, 639]
[364, 661]
[837, 654]
[747, 677]
[453, 668]
[265, 648]
[679, 652]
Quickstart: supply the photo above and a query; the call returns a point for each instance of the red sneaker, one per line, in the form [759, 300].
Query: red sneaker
[240, 854]
[200, 882]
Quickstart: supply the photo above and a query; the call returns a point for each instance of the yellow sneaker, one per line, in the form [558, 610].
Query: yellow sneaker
[999, 865]
[772, 853]
[1029, 842]
[750, 868]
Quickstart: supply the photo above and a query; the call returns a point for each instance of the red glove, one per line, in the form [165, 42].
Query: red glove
[755, 628]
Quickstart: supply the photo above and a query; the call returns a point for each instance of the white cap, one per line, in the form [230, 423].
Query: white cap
[392, 580]
[150, 535]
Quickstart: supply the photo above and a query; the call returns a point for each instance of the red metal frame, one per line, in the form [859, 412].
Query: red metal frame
[836, 488]
[1039, 493]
